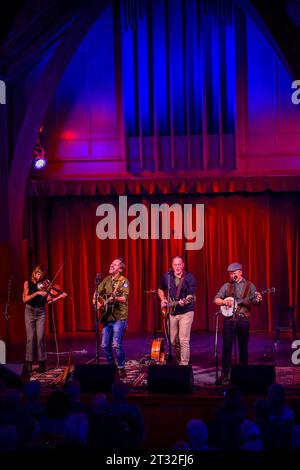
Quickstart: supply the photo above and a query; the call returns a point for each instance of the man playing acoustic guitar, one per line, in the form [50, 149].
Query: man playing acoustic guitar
[242, 293]
[180, 286]
[112, 302]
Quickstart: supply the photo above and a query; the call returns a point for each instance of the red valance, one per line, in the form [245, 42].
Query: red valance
[166, 185]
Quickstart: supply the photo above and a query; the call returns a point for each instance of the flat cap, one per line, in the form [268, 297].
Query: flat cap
[234, 267]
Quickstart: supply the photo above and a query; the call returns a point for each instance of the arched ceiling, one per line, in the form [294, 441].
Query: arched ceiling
[34, 28]
[30, 29]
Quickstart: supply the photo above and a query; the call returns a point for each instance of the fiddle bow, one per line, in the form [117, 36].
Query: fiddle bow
[54, 291]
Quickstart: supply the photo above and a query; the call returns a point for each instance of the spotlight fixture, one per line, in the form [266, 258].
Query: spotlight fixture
[39, 160]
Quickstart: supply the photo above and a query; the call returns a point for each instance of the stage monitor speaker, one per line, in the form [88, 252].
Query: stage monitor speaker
[95, 377]
[253, 379]
[11, 374]
[170, 378]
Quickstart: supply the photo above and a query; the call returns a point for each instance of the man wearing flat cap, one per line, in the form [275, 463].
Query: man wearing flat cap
[235, 298]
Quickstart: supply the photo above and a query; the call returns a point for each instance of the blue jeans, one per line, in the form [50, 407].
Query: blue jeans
[112, 338]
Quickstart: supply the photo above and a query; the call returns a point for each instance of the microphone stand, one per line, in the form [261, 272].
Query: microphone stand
[170, 357]
[98, 279]
[218, 381]
[153, 292]
[234, 308]
[7, 317]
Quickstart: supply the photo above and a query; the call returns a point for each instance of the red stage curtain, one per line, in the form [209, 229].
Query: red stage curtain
[259, 230]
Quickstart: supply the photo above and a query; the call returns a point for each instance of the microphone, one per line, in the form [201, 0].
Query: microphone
[98, 279]
[235, 277]
[170, 270]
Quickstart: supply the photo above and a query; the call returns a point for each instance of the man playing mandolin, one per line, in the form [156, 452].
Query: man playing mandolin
[180, 287]
[235, 298]
[112, 303]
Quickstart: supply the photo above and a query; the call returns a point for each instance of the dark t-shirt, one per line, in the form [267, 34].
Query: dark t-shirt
[188, 287]
[39, 301]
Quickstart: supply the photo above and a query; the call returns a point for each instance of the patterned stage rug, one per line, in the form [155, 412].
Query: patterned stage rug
[53, 378]
[136, 377]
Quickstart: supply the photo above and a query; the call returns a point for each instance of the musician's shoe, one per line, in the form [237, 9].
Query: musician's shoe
[224, 379]
[42, 367]
[27, 370]
[122, 372]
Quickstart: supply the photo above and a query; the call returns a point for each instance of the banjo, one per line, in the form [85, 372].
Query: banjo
[227, 311]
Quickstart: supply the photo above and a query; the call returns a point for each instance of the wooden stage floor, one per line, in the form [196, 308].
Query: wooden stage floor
[166, 414]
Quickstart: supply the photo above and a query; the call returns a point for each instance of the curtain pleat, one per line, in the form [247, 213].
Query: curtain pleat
[259, 230]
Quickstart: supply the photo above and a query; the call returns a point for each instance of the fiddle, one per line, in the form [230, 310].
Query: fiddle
[51, 289]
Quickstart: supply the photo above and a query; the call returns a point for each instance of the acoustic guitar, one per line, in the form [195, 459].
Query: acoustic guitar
[158, 350]
[106, 303]
[171, 305]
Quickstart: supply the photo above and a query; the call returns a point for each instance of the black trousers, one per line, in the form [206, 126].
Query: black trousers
[239, 327]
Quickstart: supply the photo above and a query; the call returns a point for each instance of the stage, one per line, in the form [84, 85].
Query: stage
[166, 414]
[262, 348]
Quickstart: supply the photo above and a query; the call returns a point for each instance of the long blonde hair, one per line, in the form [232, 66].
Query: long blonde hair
[39, 268]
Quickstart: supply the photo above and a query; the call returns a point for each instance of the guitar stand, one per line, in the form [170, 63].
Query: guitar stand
[157, 355]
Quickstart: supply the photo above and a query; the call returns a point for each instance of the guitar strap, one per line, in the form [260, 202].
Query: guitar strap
[179, 288]
[121, 278]
[246, 289]
[230, 290]
[244, 294]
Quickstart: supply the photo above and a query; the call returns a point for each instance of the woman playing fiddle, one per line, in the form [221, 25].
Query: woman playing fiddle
[37, 292]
